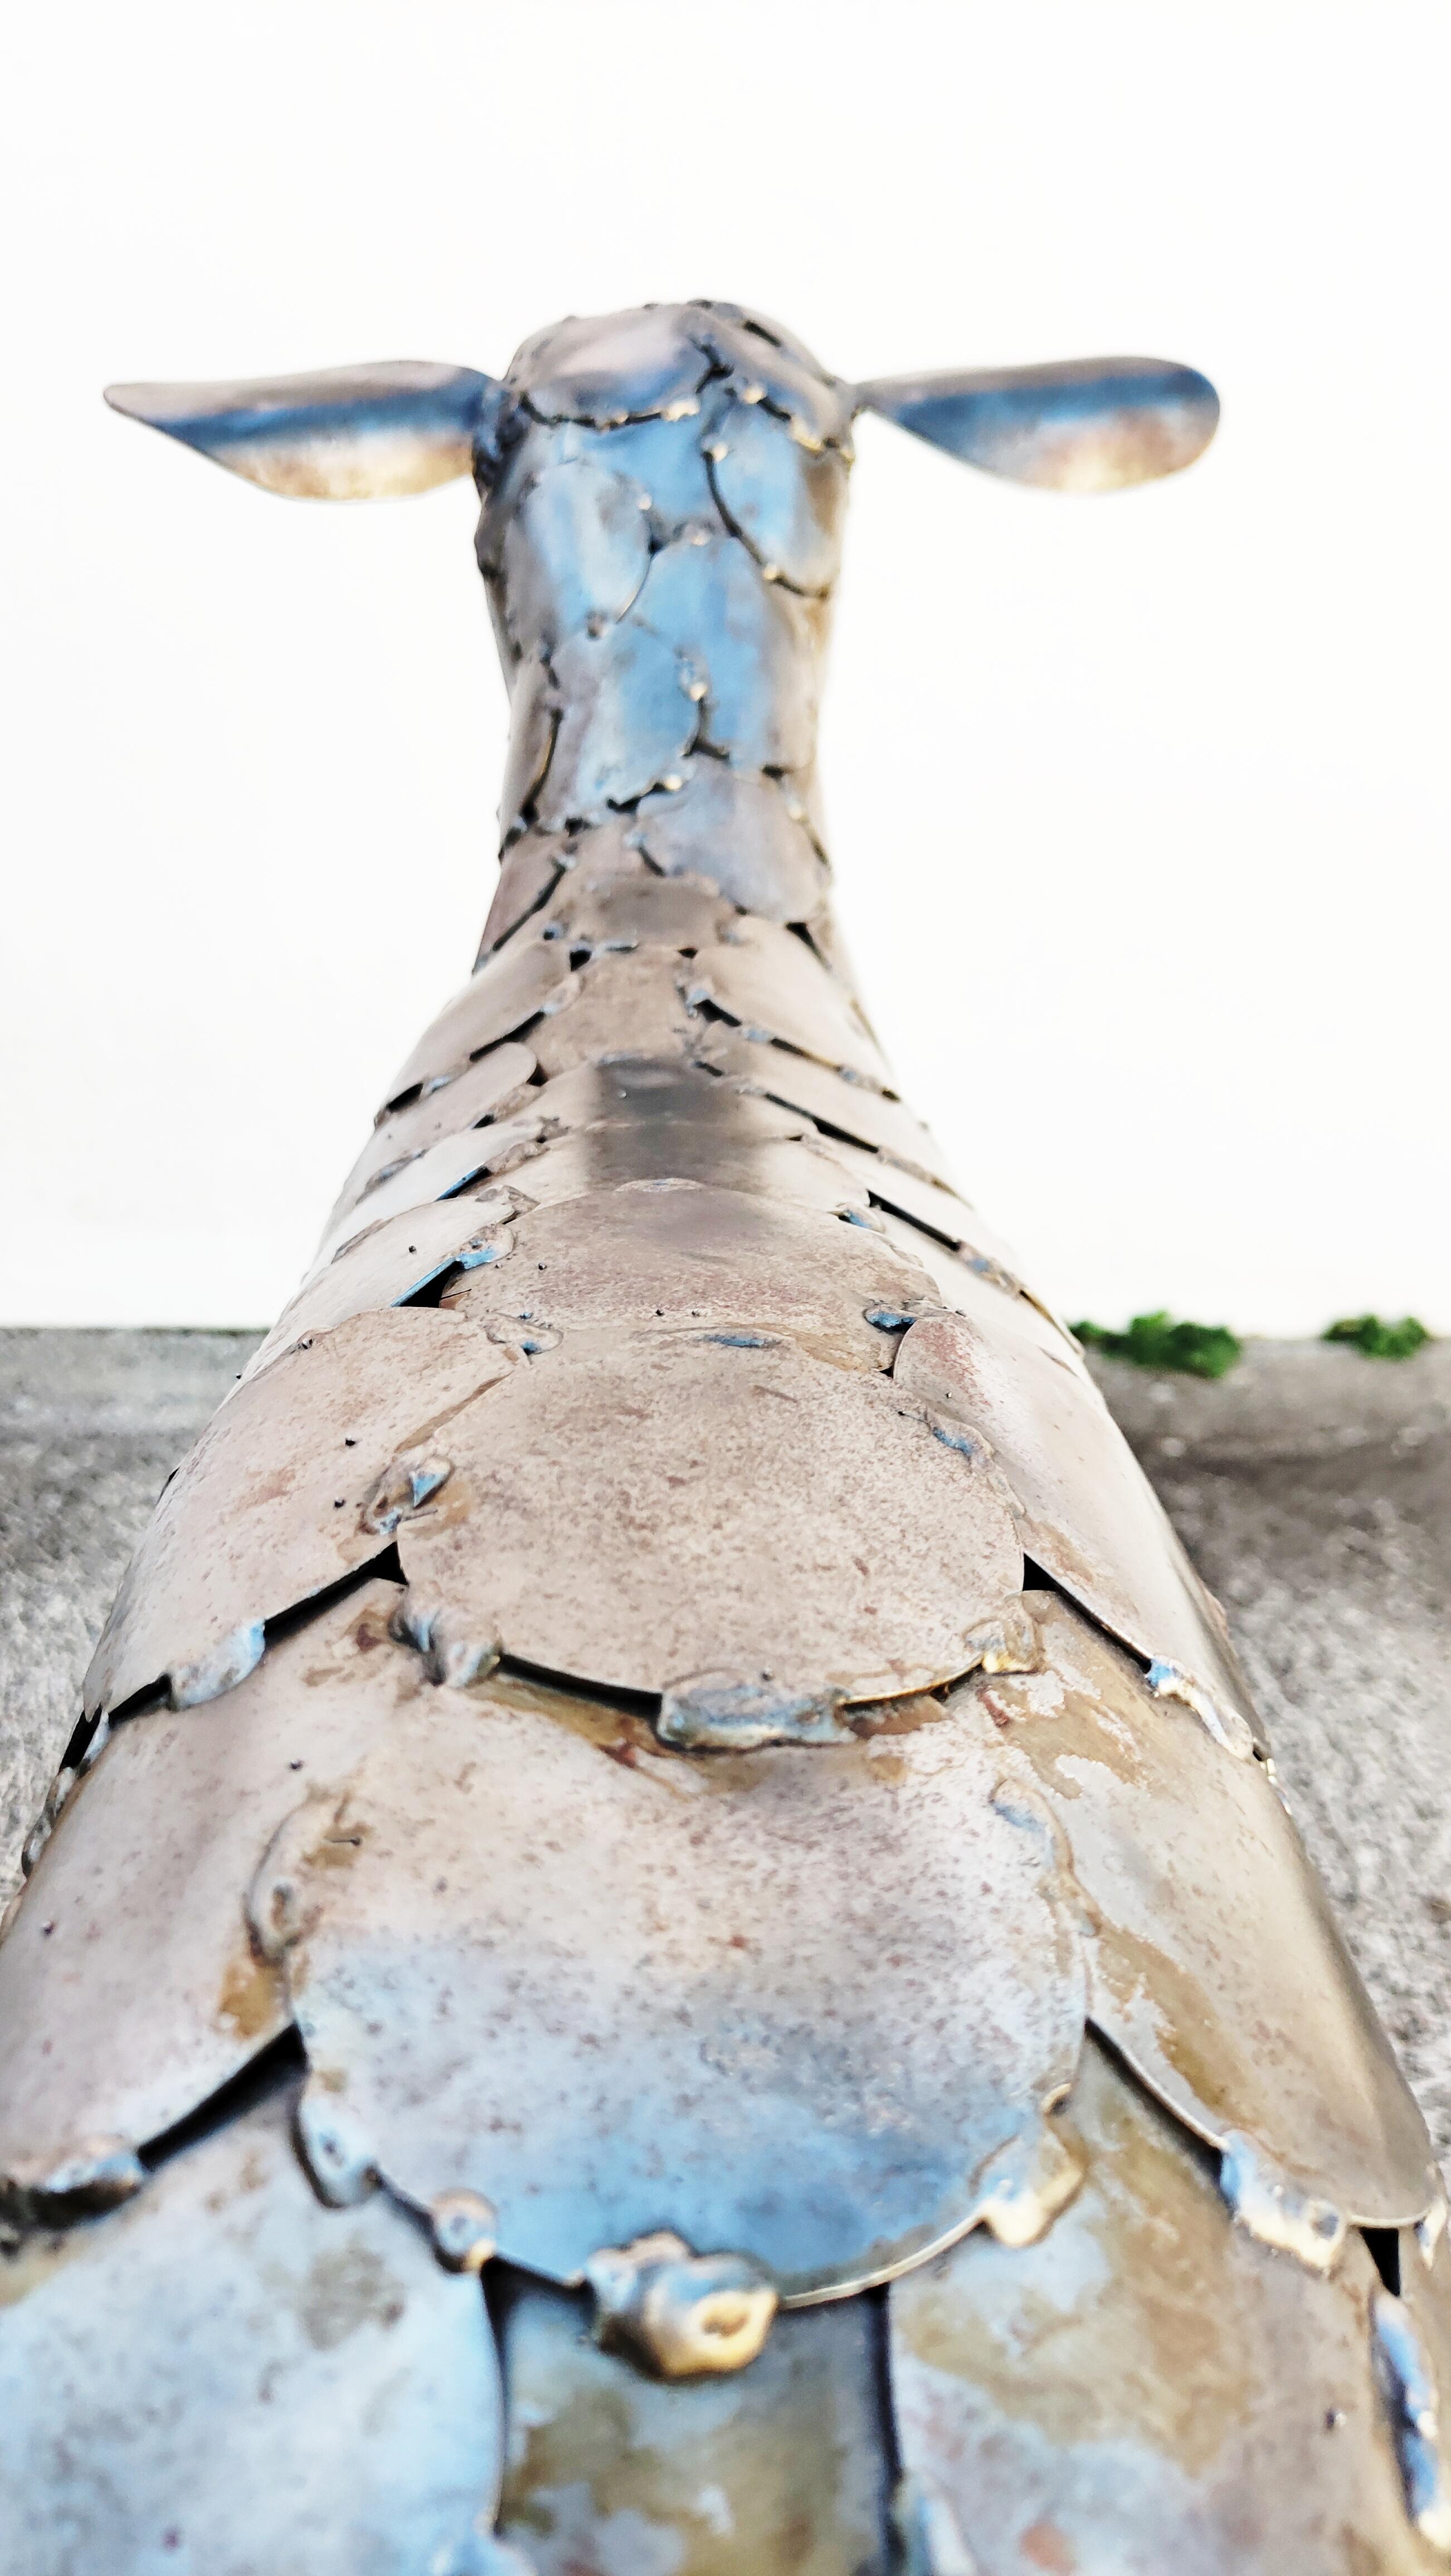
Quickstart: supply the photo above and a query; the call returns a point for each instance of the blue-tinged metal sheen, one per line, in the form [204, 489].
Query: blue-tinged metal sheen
[653, 1896]
[114, 2024]
[1146, 2388]
[811, 2008]
[780, 2469]
[1215, 1966]
[1088, 425]
[226, 2378]
[343, 434]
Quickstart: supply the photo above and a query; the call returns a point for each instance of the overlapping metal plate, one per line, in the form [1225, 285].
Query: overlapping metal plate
[744, 1510]
[1147, 2388]
[529, 870]
[1086, 1512]
[619, 999]
[630, 712]
[1216, 1967]
[769, 981]
[439, 1173]
[782, 2468]
[746, 645]
[705, 1843]
[932, 1207]
[119, 2018]
[612, 908]
[791, 525]
[575, 550]
[808, 2007]
[504, 995]
[644, 1118]
[856, 1111]
[391, 1262]
[227, 2377]
[611, 368]
[701, 1260]
[766, 364]
[490, 1088]
[282, 1496]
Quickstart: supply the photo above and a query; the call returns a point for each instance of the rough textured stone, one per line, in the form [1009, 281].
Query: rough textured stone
[1313, 1488]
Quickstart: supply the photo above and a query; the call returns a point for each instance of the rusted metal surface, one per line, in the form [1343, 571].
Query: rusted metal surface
[118, 2019]
[389, 1262]
[439, 1173]
[767, 981]
[501, 997]
[619, 999]
[780, 2469]
[1216, 1968]
[618, 2025]
[850, 1110]
[227, 2376]
[1147, 2387]
[704, 1863]
[704, 1259]
[490, 1088]
[275, 1502]
[1085, 1511]
[767, 1514]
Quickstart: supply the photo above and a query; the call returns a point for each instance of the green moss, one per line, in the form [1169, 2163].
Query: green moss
[1156, 1342]
[1378, 1341]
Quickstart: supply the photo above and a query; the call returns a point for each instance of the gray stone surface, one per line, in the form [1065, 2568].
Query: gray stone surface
[1312, 1487]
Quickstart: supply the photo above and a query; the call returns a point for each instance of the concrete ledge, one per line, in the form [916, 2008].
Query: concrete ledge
[1312, 1487]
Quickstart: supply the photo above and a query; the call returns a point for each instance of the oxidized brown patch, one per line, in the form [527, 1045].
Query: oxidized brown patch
[1044, 2545]
[896, 1716]
[251, 2000]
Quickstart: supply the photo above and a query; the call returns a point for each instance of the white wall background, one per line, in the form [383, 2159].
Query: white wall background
[1137, 802]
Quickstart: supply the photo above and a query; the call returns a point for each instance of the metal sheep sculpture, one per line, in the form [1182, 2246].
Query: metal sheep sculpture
[668, 1945]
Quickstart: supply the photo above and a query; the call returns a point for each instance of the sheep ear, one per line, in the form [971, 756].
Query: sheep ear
[344, 434]
[1085, 425]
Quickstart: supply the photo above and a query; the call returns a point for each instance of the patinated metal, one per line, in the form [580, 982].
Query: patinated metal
[118, 2021]
[507, 992]
[274, 1505]
[1085, 1511]
[246, 2380]
[850, 1110]
[388, 1263]
[581, 1696]
[488, 1089]
[860, 1555]
[1146, 2387]
[1215, 1968]
[781, 2468]
[702, 1259]
[617, 2025]
[774, 986]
